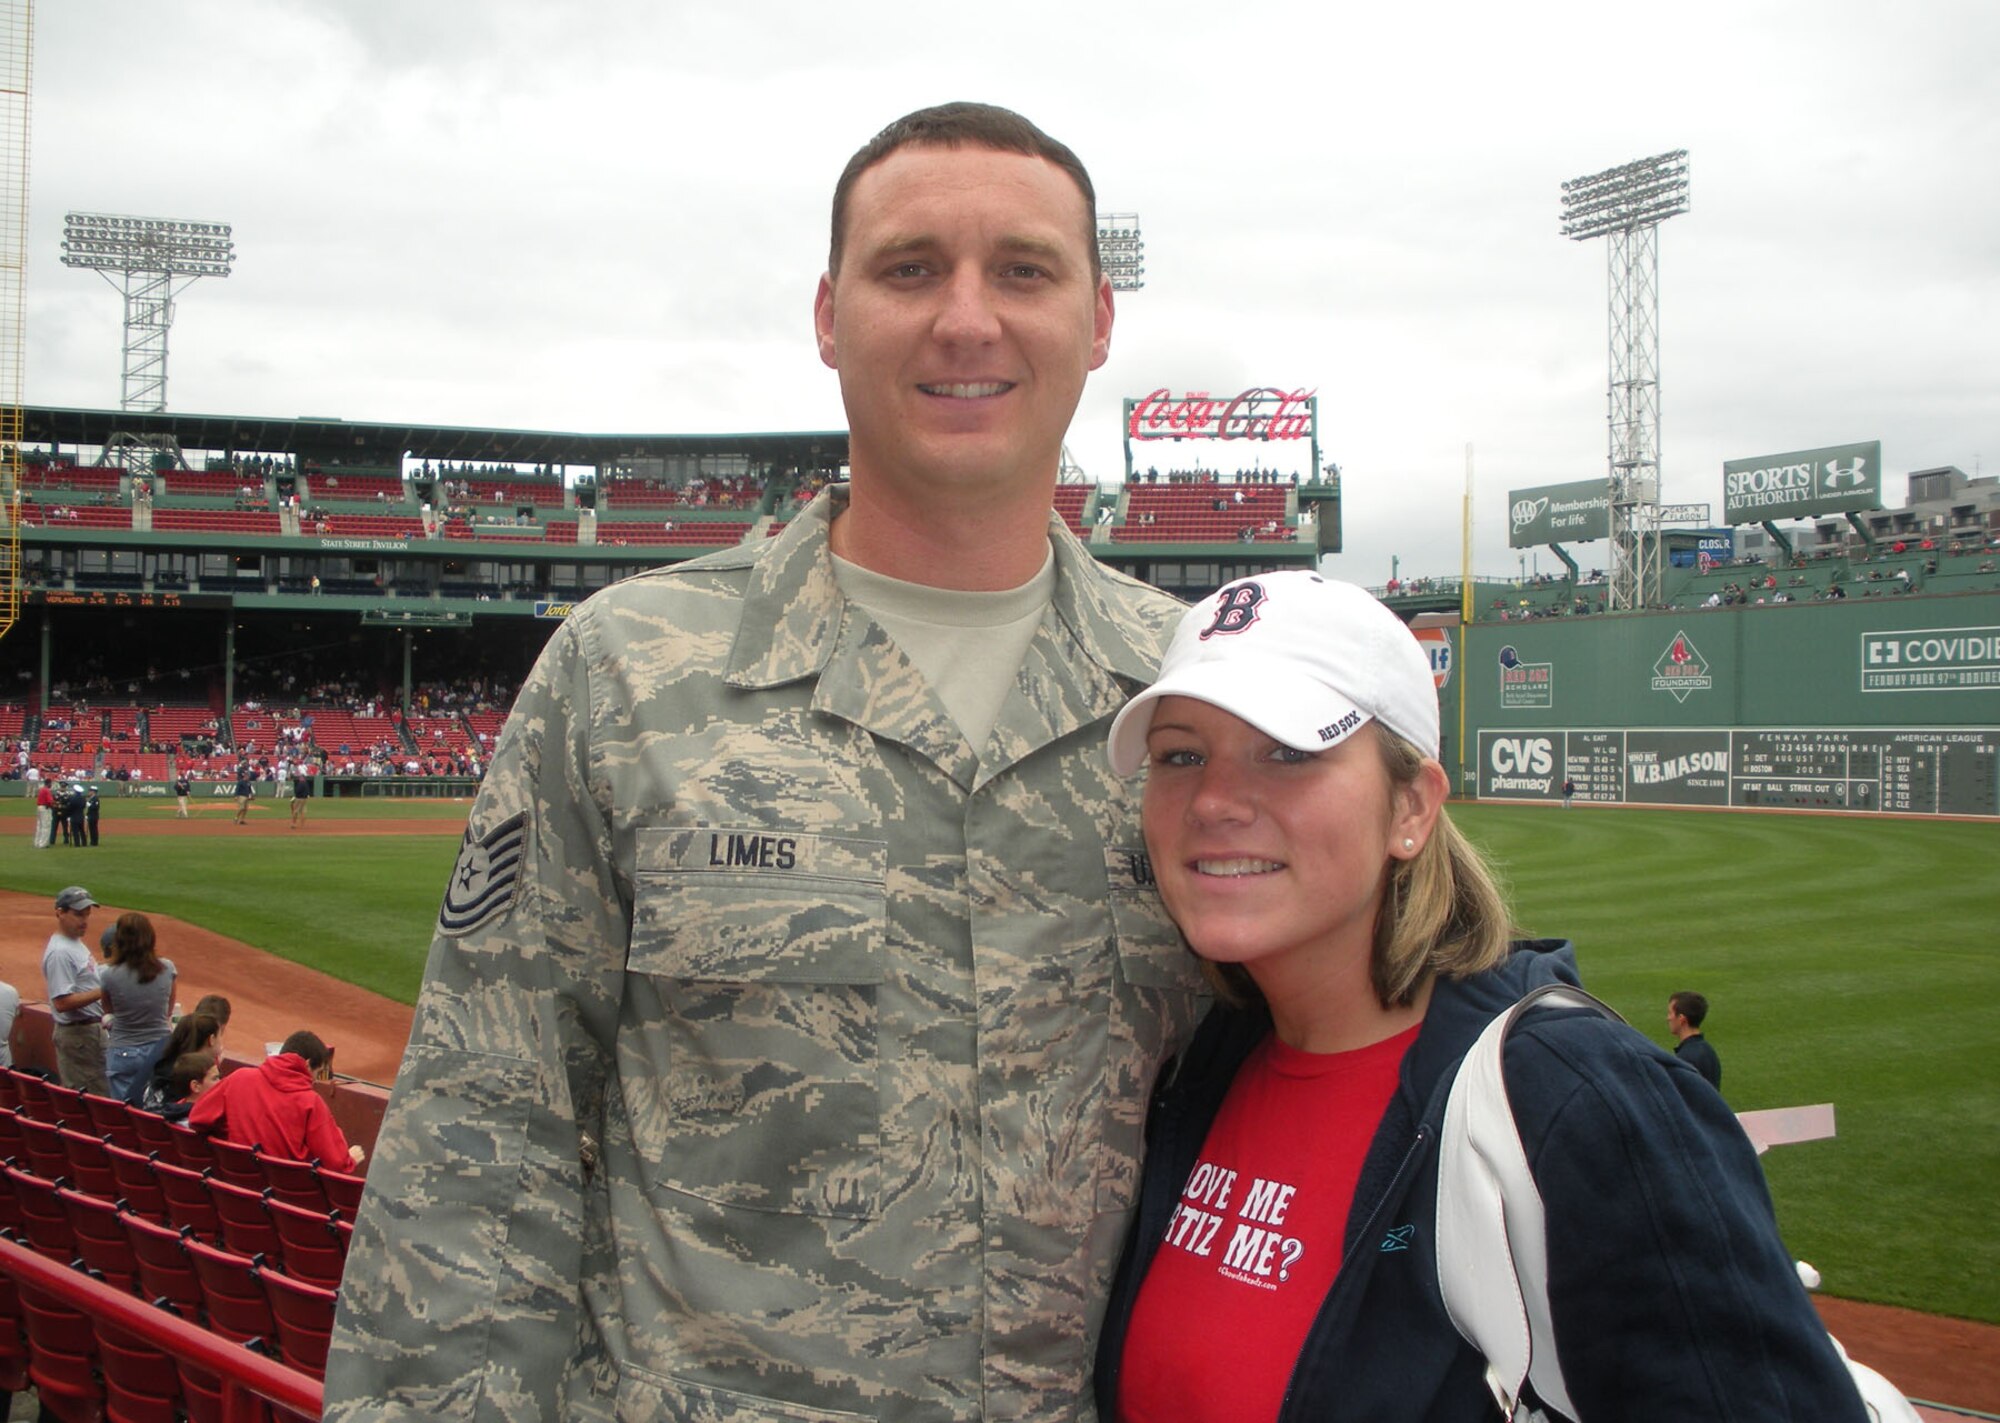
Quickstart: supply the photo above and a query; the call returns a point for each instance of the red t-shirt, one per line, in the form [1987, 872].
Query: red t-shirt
[1254, 1244]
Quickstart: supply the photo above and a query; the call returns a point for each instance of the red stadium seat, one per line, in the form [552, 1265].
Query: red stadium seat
[43, 1220]
[138, 1183]
[111, 1120]
[156, 1135]
[62, 1357]
[13, 1339]
[188, 1204]
[13, 1143]
[234, 1299]
[236, 1163]
[166, 1275]
[315, 1243]
[303, 1314]
[295, 1182]
[100, 1237]
[10, 1093]
[89, 1164]
[343, 1191]
[141, 1384]
[191, 1148]
[67, 1104]
[244, 1222]
[41, 1145]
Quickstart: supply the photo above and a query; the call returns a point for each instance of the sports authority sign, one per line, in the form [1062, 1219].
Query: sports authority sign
[1577, 513]
[1931, 660]
[1259, 413]
[1804, 482]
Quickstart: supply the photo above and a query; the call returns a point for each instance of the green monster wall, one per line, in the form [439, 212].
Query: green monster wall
[1865, 704]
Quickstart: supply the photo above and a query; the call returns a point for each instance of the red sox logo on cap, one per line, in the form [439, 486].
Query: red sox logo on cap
[1235, 609]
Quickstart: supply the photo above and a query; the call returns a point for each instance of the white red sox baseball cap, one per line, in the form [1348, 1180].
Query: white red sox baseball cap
[1306, 660]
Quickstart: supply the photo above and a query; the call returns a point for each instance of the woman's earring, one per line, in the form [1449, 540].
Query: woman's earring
[1408, 843]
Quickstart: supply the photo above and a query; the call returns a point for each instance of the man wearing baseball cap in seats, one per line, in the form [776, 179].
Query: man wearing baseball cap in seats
[1284, 1261]
[75, 996]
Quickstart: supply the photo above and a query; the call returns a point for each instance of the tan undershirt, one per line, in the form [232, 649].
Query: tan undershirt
[967, 645]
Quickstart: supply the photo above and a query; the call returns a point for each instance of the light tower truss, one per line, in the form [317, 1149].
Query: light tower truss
[1627, 204]
[149, 261]
[1121, 250]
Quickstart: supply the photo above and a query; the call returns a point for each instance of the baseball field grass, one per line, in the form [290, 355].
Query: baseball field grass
[1848, 960]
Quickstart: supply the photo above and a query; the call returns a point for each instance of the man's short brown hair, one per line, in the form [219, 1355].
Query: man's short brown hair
[962, 125]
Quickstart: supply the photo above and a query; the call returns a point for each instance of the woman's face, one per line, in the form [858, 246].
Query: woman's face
[1266, 856]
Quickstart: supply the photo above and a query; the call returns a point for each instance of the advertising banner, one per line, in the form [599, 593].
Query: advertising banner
[1802, 483]
[1577, 513]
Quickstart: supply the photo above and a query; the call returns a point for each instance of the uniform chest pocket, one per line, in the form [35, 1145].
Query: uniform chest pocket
[751, 1006]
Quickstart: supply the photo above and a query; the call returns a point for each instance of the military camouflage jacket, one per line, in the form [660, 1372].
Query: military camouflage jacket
[780, 1055]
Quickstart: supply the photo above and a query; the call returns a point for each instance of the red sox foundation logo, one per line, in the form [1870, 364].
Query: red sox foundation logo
[1235, 609]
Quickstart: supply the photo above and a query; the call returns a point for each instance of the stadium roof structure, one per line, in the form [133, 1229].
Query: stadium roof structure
[368, 442]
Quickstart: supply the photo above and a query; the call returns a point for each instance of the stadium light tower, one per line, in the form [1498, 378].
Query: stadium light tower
[144, 257]
[1627, 204]
[1121, 250]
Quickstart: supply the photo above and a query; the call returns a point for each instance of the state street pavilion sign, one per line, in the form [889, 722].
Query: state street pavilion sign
[1576, 513]
[1259, 413]
[1832, 480]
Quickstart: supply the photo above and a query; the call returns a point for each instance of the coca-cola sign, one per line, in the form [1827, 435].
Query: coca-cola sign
[1259, 413]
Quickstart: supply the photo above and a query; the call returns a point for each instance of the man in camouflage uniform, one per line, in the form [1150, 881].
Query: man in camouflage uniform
[783, 1049]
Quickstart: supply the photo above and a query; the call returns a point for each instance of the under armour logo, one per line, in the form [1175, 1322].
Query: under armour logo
[1850, 475]
[1235, 609]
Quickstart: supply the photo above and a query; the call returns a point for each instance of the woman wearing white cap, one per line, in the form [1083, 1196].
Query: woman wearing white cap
[1284, 1262]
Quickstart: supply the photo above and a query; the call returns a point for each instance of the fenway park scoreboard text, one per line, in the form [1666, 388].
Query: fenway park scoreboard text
[1937, 771]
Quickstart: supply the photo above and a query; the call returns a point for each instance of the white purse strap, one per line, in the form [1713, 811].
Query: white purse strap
[1492, 1255]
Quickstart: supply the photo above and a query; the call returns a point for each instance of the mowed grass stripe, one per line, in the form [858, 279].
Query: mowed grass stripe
[1849, 960]
[358, 907]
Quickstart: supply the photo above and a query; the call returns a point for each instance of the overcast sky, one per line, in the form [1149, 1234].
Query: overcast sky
[610, 217]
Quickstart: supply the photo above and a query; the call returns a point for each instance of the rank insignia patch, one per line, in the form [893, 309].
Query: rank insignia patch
[484, 880]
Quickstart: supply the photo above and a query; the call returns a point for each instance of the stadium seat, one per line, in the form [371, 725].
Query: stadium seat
[13, 1146]
[295, 1182]
[189, 1207]
[303, 1314]
[315, 1242]
[13, 1339]
[41, 1144]
[141, 1384]
[111, 1119]
[156, 1136]
[44, 1222]
[233, 1298]
[138, 1184]
[34, 1097]
[343, 1191]
[235, 1163]
[67, 1104]
[10, 1092]
[166, 1275]
[191, 1148]
[62, 1357]
[89, 1163]
[244, 1222]
[100, 1238]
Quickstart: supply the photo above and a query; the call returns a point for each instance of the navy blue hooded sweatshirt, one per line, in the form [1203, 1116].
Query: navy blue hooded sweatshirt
[1672, 1295]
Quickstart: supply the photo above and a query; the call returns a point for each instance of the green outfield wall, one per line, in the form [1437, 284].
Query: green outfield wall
[1865, 704]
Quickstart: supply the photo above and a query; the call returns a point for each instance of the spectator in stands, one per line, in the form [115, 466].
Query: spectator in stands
[724, 1118]
[75, 996]
[10, 1008]
[1686, 1012]
[188, 1076]
[196, 1032]
[138, 994]
[276, 1107]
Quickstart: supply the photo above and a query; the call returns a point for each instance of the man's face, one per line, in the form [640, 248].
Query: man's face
[962, 321]
[73, 921]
